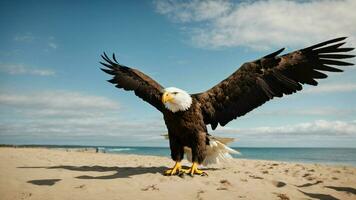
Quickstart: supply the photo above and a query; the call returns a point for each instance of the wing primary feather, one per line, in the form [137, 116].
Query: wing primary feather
[114, 57]
[274, 53]
[335, 62]
[108, 71]
[327, 68]
[329, 49]
[106, 58]
[318, 75]
[102, 56]
[335, 56]
[107, 65]
[344, 49]
[214, 125]
[320, 51]
[326, 43]
[311, 82]
[113, 81]
[131, 79]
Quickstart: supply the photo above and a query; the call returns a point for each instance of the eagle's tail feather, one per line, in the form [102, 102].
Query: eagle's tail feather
[217, 151]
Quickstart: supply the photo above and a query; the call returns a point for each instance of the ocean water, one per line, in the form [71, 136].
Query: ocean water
[333, 156]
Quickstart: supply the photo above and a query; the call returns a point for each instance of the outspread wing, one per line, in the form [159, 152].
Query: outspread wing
[133, 80]
[256, 82]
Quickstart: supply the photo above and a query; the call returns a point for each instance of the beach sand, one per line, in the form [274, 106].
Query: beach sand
[39, 173]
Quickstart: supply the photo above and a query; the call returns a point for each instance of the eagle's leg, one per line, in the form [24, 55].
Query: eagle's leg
[194, 170]
[198, 155]
[177, 153]
[177, 168]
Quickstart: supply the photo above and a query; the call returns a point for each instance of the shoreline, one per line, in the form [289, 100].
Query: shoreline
[94, 146]
[164, 152]
[45, 174]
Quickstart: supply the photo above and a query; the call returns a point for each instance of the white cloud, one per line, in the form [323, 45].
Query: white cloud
[65, 114]
[193, 10]
[98, 126]
[321, 111]
[49, 42]
[57, 100]
[316, 128]
[331, 88]
[27, 37]
[52, 42]
[264, 24]
[16, 69]
[52, 45]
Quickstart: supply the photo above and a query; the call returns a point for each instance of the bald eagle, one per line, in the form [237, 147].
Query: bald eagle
[254, 83]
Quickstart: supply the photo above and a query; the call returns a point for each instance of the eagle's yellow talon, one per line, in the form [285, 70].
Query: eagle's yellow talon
[175, 170]
[194, 170]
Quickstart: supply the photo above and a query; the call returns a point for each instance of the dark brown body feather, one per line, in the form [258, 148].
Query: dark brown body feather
[253, 84]
[187, 128]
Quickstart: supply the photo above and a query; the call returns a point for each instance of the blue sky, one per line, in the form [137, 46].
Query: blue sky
[52, 91]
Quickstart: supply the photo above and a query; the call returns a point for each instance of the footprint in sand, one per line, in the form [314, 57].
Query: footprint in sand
[255, 177]
[81, 186]
[282, 196]
[295, 174]
[225, 184]
[310, 178]
[25, 195]
[150, 187]
[199, 196]
[222, 188]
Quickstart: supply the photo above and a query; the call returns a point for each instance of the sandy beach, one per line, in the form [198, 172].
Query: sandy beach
[38, 173]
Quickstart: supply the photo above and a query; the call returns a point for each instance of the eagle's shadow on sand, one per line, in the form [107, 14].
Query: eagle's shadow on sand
[119, 172]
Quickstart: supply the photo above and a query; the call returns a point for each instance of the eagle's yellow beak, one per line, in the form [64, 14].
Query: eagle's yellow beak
[167, 97]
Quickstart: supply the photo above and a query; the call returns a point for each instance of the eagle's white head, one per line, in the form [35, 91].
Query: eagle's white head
[176, 99]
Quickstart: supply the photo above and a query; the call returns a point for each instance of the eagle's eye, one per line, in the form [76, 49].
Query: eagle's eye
[174, 93]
